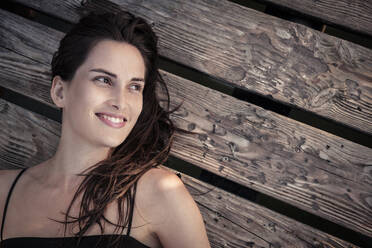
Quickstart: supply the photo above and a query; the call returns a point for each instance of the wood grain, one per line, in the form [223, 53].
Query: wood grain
[355, 15]
[253, 225]
[311, 169]
[29, 139]
[289, 62]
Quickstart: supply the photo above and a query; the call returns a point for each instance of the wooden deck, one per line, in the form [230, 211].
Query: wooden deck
[354, 15]
[316, 171]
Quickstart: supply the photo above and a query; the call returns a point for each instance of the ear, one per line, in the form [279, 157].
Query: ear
[58, 91]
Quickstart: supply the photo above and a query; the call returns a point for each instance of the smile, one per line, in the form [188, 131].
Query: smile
[112, 122]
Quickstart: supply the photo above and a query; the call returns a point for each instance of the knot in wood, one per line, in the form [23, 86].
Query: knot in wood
[218, 130]
[225, 159]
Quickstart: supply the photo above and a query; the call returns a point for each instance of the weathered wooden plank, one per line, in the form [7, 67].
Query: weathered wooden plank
[313, 170]
[26, 138]
[273, 57]
[273, 155]
[230, 220]
[254, 225]
[355, 15]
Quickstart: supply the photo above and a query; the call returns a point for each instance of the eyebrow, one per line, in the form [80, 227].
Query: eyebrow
[114, 75]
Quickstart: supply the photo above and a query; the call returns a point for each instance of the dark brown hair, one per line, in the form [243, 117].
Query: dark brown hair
[149, 142]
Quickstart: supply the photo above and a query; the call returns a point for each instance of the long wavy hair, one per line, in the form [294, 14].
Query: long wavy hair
[149, 142]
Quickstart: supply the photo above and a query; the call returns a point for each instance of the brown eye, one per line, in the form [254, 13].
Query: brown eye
[105, 80]
[136, 87]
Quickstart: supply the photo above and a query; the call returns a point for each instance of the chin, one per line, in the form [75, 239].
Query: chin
[110, 143]
[115, 143]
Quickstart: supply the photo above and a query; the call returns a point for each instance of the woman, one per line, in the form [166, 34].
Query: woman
[103, 180]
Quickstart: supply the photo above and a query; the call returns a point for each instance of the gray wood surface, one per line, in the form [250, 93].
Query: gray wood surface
[276, 58]
[352, 14]
[29, 138]
[253, 225]
[311, 169]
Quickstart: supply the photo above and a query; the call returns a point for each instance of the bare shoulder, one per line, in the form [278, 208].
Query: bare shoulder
[171, 211]
[159, 179]
[158, 190]
[6, 179]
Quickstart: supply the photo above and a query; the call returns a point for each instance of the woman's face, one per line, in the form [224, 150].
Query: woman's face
[111, 80]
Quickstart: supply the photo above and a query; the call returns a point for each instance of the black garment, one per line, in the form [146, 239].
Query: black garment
[53, 242]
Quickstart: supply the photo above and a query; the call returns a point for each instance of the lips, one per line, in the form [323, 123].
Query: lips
[112, 115]
[110, 123]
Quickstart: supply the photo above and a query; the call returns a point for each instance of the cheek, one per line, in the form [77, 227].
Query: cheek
[138, 107]
[84, 99]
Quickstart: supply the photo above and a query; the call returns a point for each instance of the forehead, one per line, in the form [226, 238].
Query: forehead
[120, 58]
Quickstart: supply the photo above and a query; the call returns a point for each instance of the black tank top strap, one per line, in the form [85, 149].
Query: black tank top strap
[132, 208]
[7, 200]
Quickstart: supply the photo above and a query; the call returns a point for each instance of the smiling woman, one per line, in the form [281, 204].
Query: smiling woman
[104, 86]
[103, 178]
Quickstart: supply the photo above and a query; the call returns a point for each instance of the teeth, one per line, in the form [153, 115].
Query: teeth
[115, 120]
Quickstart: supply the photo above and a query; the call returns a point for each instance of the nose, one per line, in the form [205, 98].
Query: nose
[118, 100]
